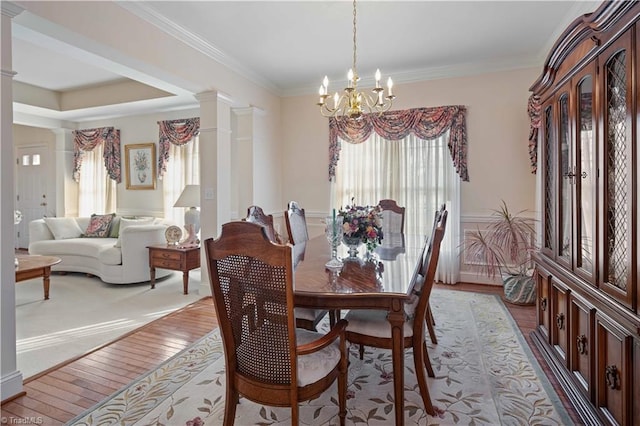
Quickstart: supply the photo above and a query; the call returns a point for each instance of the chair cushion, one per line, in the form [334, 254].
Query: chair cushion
[317, 365]
[371, 322]
[411, 304]
[307, 314]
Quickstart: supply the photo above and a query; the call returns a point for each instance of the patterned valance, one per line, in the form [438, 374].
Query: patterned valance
[534, 117]
[177, 132]
[87, 140]
[425, 123]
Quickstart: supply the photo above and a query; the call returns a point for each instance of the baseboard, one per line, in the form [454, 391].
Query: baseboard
[11, 386]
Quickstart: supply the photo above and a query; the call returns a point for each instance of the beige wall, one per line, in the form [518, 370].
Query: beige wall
[497, 132]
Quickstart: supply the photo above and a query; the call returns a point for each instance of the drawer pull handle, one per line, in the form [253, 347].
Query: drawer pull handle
[560, 321]
[612, 376]
[543, 303]
[582, 344]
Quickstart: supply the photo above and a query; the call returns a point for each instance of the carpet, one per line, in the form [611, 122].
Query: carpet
[485, 375]
[84, 313]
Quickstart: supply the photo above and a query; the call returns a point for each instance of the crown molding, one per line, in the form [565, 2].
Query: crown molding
[10, 9]
[147, 13]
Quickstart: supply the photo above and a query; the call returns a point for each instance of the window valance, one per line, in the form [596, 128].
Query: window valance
[87, 140]
[425, 123]
[177, 132]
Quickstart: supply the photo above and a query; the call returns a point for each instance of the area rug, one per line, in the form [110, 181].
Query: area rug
[485, 375]
[84, 313]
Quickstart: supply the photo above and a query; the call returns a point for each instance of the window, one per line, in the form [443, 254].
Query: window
[419, 174]
[183, 168]
[96, 190]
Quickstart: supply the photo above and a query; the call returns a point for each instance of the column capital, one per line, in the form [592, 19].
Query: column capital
[11, 9]
[213, 95]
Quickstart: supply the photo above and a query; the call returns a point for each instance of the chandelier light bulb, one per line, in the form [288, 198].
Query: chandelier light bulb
[325, 83]
[378, 76]
[390, 86]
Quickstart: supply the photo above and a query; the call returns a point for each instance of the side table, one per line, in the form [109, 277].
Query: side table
[175, 258]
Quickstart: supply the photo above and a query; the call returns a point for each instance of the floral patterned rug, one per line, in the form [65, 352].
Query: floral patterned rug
[485, 375]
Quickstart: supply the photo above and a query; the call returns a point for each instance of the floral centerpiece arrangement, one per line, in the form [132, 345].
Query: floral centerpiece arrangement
[362, 224]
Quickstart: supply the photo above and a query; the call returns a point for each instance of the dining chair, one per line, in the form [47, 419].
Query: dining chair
[255, 214]
[298, 234]
[392, 216]
[296, 222]
[268, 359]
[371, 327]
[431, 322]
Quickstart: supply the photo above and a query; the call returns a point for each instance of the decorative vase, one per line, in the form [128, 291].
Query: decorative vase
[353, 243]
[142, 176]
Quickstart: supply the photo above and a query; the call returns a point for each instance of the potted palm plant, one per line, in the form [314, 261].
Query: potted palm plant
[505, 248]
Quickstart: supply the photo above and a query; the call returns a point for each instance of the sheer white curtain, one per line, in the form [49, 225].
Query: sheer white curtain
[418, 174]
[183, 168]
[96, 190]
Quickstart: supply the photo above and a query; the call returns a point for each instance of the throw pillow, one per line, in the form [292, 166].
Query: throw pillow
[99, 225]
[63, 227]
[125, 223]
[115, 227]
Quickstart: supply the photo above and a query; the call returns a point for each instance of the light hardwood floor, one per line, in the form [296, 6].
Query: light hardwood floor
[57, 395]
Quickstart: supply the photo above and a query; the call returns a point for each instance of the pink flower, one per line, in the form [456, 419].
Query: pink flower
[197, 421]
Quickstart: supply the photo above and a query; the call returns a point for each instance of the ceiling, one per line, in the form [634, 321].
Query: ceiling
[288, 46]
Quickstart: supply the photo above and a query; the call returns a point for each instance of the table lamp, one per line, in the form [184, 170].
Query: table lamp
[190, 198]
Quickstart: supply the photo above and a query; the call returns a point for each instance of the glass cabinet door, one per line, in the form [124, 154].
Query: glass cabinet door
[585, 175]
[566, 169]
[617, 164]
[548, 155]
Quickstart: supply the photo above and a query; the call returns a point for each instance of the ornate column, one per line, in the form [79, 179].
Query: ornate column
[215, 170]
[11, 378]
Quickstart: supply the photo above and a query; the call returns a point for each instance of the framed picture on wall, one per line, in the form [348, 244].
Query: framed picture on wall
[140, 163]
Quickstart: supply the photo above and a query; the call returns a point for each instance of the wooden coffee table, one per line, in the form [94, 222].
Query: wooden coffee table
[36, 266]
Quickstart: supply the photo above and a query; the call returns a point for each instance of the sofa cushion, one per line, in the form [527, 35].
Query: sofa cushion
[63, 227]
[110, 255]
[124, 223]
[88, 247]
[115, 227]
[99, 225]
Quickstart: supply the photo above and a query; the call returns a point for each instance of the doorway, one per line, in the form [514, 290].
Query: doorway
[32, 198]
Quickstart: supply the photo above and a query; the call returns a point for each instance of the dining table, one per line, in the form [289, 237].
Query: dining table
[367, 281]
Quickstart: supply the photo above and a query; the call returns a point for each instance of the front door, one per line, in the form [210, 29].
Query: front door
[31, 193]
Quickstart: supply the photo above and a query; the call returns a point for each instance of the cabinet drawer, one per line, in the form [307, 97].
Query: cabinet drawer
[167, 264]
[613, 371]
[166, 255]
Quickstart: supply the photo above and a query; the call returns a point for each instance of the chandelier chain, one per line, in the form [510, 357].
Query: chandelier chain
[354, 38]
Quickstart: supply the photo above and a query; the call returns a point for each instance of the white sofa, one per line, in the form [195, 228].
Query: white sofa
[101, 257]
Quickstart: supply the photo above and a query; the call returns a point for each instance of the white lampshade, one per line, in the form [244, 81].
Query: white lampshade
[190, 197]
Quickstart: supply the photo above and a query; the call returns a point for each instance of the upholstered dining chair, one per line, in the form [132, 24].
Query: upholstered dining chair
[431, 322]
[392, 216]
[298, 234]
[296, 222]
[268, 359]
[255, 214]
[371, 327]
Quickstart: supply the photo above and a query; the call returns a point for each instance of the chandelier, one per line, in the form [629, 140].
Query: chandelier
[353, 103]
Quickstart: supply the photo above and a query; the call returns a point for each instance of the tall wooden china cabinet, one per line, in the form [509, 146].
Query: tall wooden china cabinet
[588, 308]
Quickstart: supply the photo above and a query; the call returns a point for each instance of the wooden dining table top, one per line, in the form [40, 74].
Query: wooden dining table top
[387, 273]
[382, 281]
